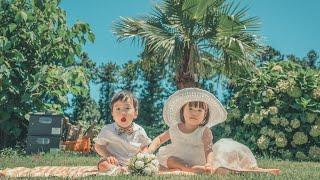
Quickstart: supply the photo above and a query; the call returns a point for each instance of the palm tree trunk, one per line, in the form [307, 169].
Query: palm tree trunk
[185, 78]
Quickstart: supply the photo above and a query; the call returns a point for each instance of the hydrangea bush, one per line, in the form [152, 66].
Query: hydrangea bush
[277, 111]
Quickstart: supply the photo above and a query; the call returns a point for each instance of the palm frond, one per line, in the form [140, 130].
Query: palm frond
[220, 29]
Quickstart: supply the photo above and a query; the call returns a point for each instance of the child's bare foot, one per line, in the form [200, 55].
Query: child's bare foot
[104, 166]
[270, 171]
[221, 171]
[162, 168]
[165, 169]
[123, 169]
[276, 171]
[199, 169]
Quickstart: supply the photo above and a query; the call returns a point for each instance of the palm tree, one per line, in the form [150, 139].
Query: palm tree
[195, 37]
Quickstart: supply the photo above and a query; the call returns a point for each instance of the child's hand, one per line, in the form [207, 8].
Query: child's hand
[209, 168]
[107, 163]
[144, 149]
[112, 160]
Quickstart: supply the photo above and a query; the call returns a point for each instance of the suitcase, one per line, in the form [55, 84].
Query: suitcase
[46, 125]
[45, 132]
[36, 144]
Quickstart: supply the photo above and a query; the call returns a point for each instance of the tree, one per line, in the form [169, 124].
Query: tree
[89, 65]
[129, 75]
[269, 54]
[107, 78]
[152, 91]
[85, 109]
[294, 58]
[184, 32]
[312, 58]
[38, 52]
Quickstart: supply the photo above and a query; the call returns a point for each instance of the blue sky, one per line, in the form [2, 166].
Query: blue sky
[291, 26]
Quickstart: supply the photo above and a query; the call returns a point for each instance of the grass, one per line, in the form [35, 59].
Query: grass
[289, 169]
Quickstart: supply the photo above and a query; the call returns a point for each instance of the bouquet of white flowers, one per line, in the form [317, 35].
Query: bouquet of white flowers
[143, 164]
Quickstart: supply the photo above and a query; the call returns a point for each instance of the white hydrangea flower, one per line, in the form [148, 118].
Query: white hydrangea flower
[148, 171]
[264, 93]
[140, 156]
[155, 162]
[154, 169]
[263, 142]
[145, 155]
[315, 131]
[139, 164]
[273, 110]
[152, 156]
[277, 68]
[144, 164]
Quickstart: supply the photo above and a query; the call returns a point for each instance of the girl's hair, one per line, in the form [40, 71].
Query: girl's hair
[198, 104]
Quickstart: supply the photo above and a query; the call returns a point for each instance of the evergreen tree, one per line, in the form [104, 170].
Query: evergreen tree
[270, 54]
[151, 96]
[129, 75]
[312, 58]
[107, 76]
[85, 109]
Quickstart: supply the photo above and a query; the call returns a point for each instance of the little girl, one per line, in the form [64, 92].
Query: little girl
[190, 113]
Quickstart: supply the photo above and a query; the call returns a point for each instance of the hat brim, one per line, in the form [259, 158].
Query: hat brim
[171, 110]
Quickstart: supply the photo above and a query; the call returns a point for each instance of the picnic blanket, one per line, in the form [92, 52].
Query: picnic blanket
[47, 171]
[64, 171]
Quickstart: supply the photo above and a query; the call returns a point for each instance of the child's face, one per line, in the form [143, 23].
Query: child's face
[123, 113]
[193, 115]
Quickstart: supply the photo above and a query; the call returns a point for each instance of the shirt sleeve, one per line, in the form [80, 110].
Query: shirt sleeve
[144, 139]
[101, 138]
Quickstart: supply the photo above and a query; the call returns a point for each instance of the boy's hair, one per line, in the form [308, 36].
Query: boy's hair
[124, 96]
[198, 104]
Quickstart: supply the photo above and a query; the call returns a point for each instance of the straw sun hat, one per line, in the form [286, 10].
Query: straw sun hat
[171, 110]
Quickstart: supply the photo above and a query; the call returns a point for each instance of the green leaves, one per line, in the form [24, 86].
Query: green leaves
[12, 27]
[198, 9]
[4, 116]
[303, 102]
[38, 67]
[186, 31]
[21, 16]
[286, 95]
[91, 36]
[4, 43]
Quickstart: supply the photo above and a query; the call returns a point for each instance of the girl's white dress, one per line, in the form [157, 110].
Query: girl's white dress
[189, 147]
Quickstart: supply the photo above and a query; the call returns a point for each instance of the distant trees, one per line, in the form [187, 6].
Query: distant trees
[84, 107]
[108, 79]
[312, 59]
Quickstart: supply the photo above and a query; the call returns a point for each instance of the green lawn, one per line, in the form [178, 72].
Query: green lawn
[290, 169]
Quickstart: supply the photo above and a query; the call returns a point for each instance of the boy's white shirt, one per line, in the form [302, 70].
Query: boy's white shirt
[123, 146]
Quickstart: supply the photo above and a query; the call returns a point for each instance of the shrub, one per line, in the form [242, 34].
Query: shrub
[276, 112]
